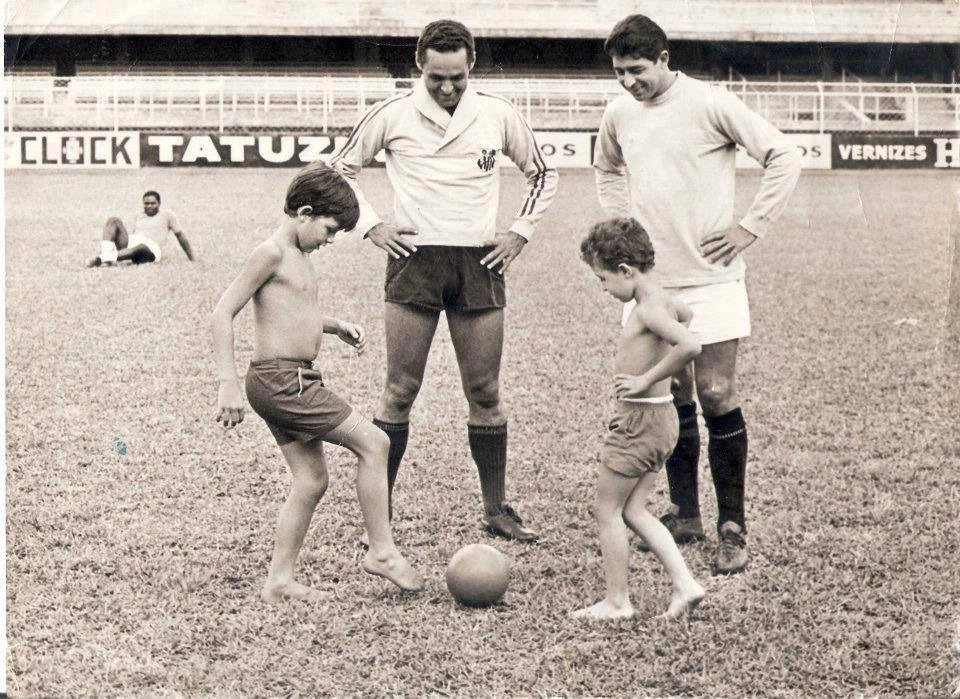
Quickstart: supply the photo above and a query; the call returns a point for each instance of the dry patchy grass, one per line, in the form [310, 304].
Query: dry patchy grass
[136, 573]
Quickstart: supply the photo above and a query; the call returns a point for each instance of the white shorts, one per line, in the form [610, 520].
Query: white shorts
[141, 239]
[720, 311]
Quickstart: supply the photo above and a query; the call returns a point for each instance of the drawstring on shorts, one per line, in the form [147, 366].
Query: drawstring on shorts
[310, 374]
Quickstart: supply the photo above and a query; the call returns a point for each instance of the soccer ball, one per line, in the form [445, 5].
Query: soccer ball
[478, 575]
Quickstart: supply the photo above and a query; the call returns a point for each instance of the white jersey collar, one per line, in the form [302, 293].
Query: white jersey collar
[465, 114]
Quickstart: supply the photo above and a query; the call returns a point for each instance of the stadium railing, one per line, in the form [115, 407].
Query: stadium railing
[147, 69]
[226, 102]
[854, 106]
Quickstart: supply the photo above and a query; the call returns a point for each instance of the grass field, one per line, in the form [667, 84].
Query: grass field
[138, 531]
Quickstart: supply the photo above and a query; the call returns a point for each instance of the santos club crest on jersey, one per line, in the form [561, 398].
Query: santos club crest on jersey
[487, 159]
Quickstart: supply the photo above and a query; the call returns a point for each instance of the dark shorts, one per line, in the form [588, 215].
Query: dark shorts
[442, 277]
[640, 437]
[290, 397]
[143, 249]
[142, 255]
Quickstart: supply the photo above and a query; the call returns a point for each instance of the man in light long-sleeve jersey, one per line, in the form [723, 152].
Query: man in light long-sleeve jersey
[666, 156]
[443, 143]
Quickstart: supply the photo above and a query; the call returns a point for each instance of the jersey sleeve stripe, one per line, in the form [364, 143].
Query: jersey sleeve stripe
[530, 201]
[534, 196]
[376, 109]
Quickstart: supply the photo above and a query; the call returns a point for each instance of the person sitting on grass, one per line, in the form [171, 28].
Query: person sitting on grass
[143, 245]
[289, 394]
[655, 343]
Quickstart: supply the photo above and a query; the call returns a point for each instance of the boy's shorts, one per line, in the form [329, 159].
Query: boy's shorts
[290, 397]
[136, 239]
[640, 437]
[720, 311]
[445, 277]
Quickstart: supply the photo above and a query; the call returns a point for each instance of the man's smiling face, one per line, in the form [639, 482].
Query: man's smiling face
[641, 77]
[445, 76]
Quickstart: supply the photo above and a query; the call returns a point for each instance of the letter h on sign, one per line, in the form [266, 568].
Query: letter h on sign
[948, 152]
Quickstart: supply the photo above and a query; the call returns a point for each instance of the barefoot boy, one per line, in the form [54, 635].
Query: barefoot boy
[285, 390]
[655, 344]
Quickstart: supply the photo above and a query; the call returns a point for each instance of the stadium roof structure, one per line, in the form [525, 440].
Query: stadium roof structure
[883, 21]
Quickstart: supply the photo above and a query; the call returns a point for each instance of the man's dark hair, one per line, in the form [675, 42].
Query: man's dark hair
[325, 191]
[618, 241]
[637, 36]
[445, 36]
[151, 193]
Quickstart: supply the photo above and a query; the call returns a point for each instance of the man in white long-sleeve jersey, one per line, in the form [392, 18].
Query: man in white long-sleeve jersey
[666, 156]
[443, 141]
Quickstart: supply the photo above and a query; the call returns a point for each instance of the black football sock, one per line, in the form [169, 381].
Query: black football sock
[398, 432]
[727, 452]
[683, 464]
[488, 446]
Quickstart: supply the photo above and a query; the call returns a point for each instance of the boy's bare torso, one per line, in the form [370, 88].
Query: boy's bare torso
[639, 348]
[288, 323]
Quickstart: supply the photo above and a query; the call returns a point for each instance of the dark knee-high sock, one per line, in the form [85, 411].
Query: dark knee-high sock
[727, 451]
[683, 463]
[488, 446]
[398, 432]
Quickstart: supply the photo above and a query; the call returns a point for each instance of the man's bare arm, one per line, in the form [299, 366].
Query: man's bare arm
[184, 243]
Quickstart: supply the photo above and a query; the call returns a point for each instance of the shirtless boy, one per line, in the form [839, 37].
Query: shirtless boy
[654, 345]
[289, 394]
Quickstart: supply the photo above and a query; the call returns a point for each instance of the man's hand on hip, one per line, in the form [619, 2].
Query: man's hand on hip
[724, 246]
[391, 238]
[506, 247]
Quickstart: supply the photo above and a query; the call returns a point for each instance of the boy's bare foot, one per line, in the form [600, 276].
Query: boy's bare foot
[273, 593]
[604, 610]
[394, 568]
[684, 602]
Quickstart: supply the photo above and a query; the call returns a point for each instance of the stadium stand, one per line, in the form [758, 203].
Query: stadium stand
[894, 21]
[235, 64]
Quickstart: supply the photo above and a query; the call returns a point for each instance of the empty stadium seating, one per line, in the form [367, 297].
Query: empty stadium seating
[745, 20]
[331, 86]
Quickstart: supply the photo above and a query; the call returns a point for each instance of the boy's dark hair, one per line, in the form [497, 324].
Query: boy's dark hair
[323, 189]
[615, 242]
[637, 36]
[445, 36]
[151, 193]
